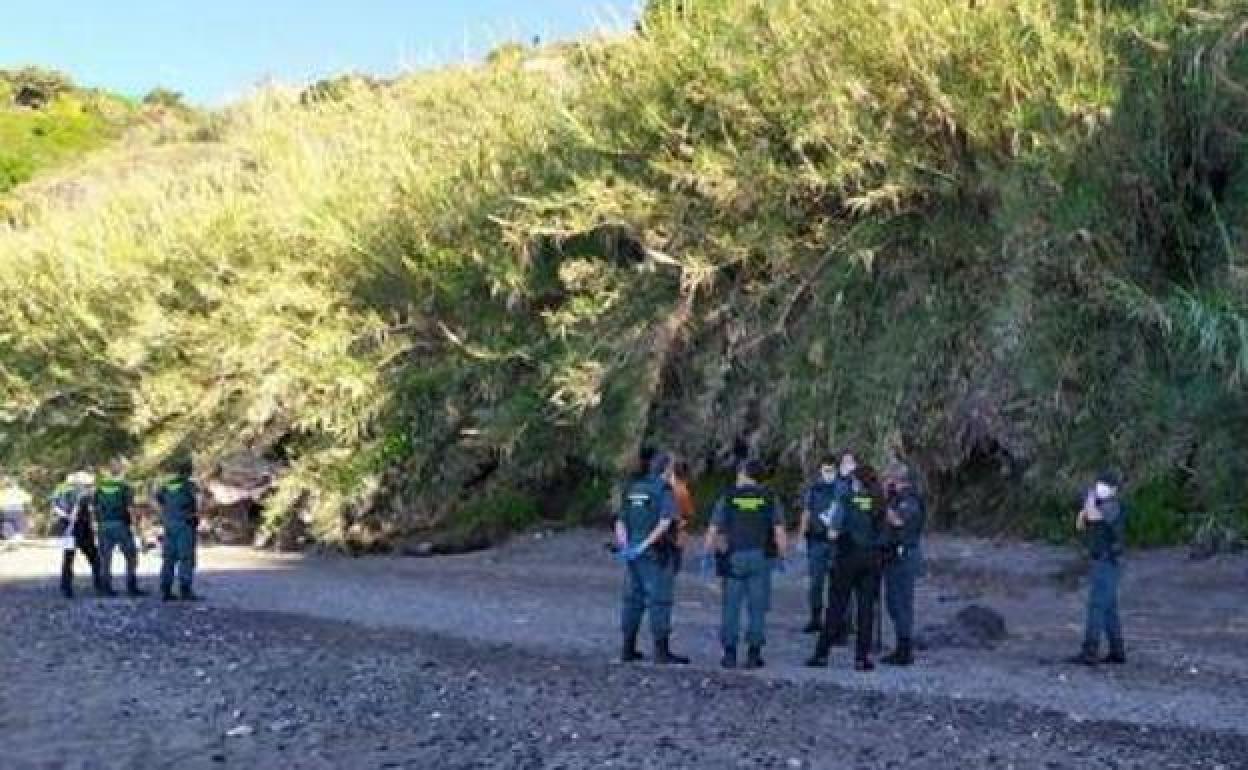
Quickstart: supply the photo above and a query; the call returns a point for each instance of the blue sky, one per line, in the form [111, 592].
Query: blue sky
[215, 50]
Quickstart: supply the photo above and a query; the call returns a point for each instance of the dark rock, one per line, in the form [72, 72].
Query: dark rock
[974, 627]
[984, 622]
[450, 544]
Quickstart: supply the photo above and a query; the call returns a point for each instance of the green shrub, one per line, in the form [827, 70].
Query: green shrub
[1002, 234]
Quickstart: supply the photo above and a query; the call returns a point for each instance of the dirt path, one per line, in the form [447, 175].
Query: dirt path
[501, 659]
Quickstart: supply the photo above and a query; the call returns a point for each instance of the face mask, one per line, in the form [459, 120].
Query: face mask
[848, 468]
[1103, 491]
[828, 475]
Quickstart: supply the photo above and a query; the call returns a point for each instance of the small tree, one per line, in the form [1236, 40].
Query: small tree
[35, 87]
[164, 97]
[507, 53]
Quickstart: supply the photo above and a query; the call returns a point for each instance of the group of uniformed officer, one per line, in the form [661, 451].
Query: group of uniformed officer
[80, 504]
[856, 529]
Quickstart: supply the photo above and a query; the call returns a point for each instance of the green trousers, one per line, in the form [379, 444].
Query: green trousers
[117, 534]
[178, 557]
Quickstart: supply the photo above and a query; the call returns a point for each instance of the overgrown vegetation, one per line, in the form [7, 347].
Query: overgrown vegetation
[1004, 237]
[45, 122]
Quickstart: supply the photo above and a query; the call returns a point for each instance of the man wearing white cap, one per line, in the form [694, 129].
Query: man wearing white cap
[1103, 521]
[71, 507]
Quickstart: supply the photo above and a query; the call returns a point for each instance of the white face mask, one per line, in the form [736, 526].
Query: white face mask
[828, 475]
[1103, 491]
[847, 468]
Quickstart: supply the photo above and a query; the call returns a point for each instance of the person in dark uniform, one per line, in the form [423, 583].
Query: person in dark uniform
[817, 499]
[747, 534]
[1103, 520]
[646, 515]
[113, 502]
[71, 525]
[856, 530]
[849, 482]
[905, 517]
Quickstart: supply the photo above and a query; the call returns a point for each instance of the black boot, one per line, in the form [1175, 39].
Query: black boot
[187, 595]
[864, 664]
[903, 655]
[730, 658]
[663, 654]
[105, 590]
[132, 587]
[820, 658]
[816, 622]
[628, 650]
[754, 657]
[67, 575]
[1117, 653]
[166, 595]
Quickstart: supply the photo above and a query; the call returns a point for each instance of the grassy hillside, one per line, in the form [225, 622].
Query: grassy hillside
[45, 122]
[1002, 237]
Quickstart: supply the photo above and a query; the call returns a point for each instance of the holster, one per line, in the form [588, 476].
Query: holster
[664, 553]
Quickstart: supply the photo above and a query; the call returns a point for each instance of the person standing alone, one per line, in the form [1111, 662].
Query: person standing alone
[1103, 520]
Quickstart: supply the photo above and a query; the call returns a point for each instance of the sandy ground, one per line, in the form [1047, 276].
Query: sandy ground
[503, 659]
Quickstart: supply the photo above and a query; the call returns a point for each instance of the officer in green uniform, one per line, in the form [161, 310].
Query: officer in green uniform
[856, 531]
[113, 501]
[178, 498]
[905, 517]
[747, 534]
[646, 514]
[1103, 521]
